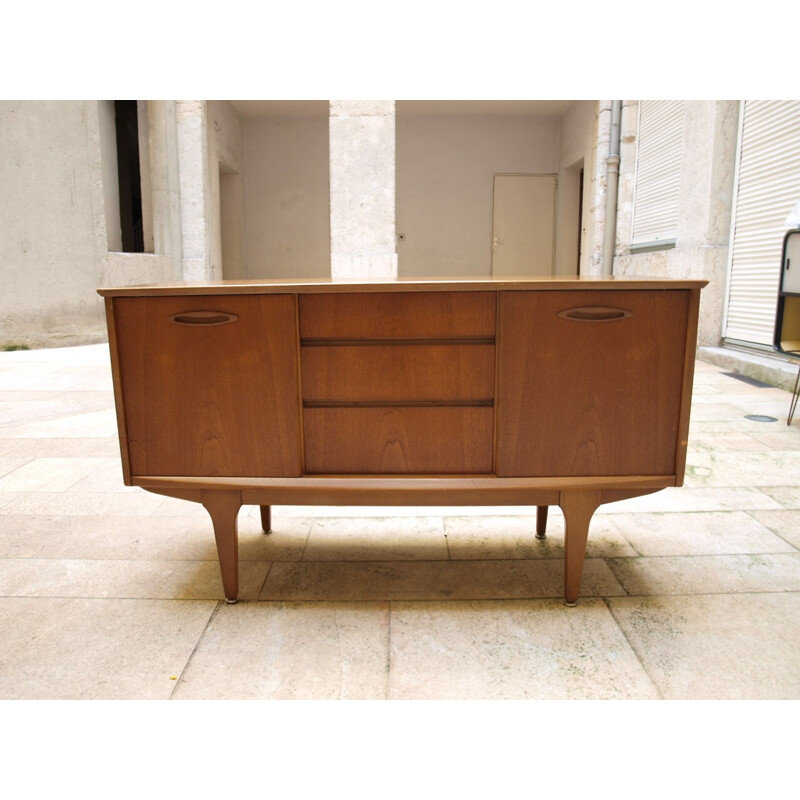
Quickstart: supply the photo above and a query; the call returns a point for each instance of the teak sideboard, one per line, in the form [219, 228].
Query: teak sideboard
[569, 392]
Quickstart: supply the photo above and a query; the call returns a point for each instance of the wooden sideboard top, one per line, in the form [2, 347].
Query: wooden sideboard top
[283, 286]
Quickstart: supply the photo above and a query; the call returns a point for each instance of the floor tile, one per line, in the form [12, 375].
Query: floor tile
[179, 580]
[279, 651]
[701, 533]
[7, 497]
[174, 507]
[786, 496]
[99, 424]
[716, 411]
[132, 502]
[514, 537]
[376, 539]
[685, 498]
[74, 447]
[779, 440]
[740, 424]
[105, 477]
[785, 523]
[431, 580]
[115, 585]
[8, 465]
[48, 474]
[733, 647]
[29, 406]
[738, 442]
[103, 537]
[511, 650]
[723, 574]
[79, 649]
[143, 538]
[768, 468]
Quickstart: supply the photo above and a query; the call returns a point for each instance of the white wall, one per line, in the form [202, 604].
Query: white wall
[577, 146]
[53, 237]
[226, 188]
[287, 197]
[445, 168]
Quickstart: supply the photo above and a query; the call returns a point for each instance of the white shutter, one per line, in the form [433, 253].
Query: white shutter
[658, 171]
[768, 188]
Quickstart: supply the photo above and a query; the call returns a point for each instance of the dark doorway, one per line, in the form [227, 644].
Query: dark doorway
[130, 179]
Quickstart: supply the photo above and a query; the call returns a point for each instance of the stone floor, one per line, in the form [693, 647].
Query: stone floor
[110, 592]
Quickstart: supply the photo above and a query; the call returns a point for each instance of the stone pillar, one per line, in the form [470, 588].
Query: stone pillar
[165, 181]
[595, 185]
[194, 188]
[362, 189]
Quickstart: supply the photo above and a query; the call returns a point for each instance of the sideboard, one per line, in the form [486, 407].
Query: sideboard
[571, 392]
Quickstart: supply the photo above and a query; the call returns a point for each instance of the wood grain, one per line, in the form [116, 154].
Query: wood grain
[577, 398]
[398, 372]
[398, 441]
[217, 400]
[397, 315]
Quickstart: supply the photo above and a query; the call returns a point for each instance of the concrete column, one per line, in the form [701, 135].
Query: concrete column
[595, 186]
[362, 189]
[165, 181]
[194, 188]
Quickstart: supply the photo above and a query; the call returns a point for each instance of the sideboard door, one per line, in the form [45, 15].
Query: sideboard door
[210, 385]
[590, 382]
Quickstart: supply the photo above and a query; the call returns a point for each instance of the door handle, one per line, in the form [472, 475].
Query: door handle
[595, 314]
[203, 318]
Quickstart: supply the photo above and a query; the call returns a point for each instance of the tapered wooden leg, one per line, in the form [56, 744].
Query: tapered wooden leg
[578, 506]
[266, 519]
[223, 506]
[541, 521]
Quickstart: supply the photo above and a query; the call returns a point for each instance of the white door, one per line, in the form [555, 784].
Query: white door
[523, 224]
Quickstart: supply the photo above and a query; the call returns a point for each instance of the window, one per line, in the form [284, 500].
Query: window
[130, 180]
[658, 168]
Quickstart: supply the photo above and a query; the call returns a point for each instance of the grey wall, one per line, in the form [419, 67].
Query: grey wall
[51, 216]
[445, 168]
[287, 197]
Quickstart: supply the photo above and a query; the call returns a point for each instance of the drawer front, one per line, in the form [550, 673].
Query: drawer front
[590, 383]
[398, 372]
[397, 315]
[210, 385]
[398, 440]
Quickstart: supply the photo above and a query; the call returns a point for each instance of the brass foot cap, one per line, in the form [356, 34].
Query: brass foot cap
[231, 601]
[571, 605]
[541, 535]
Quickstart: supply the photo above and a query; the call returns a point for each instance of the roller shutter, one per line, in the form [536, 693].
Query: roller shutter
[768, 187]
[658, 171]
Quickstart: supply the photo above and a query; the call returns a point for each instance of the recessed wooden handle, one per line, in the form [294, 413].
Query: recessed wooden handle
[595, 314]
[203, 318]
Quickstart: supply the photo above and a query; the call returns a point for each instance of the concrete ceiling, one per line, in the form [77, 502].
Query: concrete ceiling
[319, 108]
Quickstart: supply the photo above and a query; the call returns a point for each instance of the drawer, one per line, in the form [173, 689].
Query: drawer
[397, 315]
[398, 372]
[399, 440]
